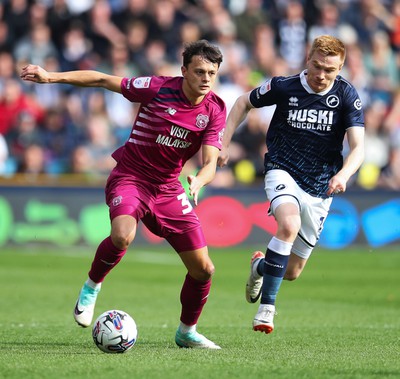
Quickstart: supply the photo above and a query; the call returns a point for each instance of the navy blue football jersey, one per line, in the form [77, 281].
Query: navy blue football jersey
[305, 136]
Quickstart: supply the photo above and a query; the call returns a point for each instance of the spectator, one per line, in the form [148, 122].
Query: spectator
[81, 161]
[75, 49]
[292, 33]
[381, 63]
[17, 16]
[363, 15]
[166, 25]
[259, 40]
[247, 21]
[377, 145]
[58, 137]
[357, 73]
[264, 52]
[101, 143]
[24, 133]
[36, 46]
[103, 32]
[33, 161]
[59, 19]
[6, 37]
[390, 175]
[7, 69]
[4, 157]
[328, 22]
[13, 102]
[137, 36]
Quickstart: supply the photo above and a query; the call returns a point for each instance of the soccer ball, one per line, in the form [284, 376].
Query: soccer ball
[114, 332]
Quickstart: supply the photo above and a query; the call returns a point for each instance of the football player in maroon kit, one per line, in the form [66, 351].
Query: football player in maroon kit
[177, 117]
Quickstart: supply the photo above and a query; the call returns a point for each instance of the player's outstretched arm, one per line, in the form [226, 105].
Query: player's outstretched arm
[236, 115]
[81, 78]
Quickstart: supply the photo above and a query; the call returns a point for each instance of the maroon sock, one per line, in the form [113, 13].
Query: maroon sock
[194, 295]
[106, 258]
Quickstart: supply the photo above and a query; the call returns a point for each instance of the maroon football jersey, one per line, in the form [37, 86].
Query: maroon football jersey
[168, 129]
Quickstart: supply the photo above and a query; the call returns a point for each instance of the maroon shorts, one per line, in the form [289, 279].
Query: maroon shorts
[164, 209]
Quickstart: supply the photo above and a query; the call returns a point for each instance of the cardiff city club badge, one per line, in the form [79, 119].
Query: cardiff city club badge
[201, 121]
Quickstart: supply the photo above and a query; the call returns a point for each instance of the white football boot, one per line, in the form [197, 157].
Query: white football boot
[84, 307]
[255, 280]
[194, 340]
[264, 319]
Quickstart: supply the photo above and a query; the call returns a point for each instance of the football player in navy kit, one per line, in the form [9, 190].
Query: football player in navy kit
[304, 166]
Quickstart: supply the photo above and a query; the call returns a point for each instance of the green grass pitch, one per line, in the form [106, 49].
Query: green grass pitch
[340, 319]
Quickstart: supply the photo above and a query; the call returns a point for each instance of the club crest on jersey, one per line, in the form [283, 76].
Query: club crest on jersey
[332, 101]
[142, 82]
[202, 121]
[117, 201]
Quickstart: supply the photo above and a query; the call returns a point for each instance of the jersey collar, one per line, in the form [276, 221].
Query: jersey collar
[303, 80]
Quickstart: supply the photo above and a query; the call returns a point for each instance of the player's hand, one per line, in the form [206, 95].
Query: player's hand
[34, 73]
[194, 187]
[223, 157]
[336, 185]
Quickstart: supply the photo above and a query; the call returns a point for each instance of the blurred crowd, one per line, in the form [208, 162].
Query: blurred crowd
[60, 129]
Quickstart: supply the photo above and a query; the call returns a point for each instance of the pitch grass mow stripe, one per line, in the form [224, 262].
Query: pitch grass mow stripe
[340, 319]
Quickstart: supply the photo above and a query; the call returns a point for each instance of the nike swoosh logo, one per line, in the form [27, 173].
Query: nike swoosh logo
[77, 310]
[107, 263]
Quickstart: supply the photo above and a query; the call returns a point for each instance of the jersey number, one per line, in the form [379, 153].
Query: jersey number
[186, 206]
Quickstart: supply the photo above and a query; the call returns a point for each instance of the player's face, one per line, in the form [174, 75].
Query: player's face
[199, 77]
[322, 71]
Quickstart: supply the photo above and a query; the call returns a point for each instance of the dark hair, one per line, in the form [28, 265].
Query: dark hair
[203, 48]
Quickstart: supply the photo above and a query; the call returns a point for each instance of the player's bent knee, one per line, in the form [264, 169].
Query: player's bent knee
[121, 242]
[292, 273]
[291, 276]
[205, 273]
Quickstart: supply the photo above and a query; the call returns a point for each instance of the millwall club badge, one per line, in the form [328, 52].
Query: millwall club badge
[202, 121]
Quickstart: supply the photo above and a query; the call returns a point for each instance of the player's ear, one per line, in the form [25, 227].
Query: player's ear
[183, 70]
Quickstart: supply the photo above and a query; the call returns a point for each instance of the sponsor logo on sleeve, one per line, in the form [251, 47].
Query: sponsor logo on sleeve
[221, 135]
[265, 87]
[357, 104]
[142, 82]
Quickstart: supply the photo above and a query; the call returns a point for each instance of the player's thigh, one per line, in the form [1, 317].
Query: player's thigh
[281, 188]
[172, 217]
[313, 215]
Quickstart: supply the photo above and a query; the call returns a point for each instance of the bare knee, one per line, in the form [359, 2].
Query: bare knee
[123, 231]
[203, 273]
[288, 229]
[295, 268]
[292, 275]
[120, 242]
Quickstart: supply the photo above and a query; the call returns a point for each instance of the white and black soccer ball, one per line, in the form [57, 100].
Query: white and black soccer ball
[114, 331]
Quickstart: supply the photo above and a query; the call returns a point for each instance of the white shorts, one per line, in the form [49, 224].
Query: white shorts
[281, 188]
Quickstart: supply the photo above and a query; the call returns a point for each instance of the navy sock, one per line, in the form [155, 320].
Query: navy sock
[274, 270]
